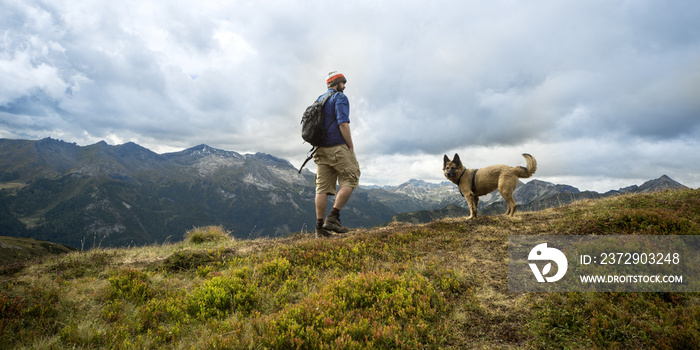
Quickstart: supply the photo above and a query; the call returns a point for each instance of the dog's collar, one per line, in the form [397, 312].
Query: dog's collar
[459, 179]
[460, 176]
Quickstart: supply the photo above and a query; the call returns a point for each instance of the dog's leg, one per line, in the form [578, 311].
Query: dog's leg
[506, 187]
[510, 202]
[512, 206]
[473, 201]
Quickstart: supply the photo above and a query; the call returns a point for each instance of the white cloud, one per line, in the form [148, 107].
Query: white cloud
[597, 89]
[21, 78]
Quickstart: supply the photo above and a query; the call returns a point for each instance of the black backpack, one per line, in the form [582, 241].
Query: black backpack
[312, 126]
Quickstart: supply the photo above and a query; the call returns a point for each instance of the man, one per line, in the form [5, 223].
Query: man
[335, 158]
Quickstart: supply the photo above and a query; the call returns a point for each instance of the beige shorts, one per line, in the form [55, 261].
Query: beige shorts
[336, 164]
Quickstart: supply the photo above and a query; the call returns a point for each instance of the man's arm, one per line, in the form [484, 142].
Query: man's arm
[345, 131]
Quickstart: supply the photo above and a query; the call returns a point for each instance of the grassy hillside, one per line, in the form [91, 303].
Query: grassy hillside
[437, 285]
[15, 250]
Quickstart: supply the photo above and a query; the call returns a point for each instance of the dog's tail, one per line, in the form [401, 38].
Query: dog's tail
[524, 172]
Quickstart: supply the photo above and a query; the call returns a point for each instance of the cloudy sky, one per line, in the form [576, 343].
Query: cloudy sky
[604, 94]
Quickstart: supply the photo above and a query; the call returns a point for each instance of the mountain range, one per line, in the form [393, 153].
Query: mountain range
[103, 195]
[531, 196]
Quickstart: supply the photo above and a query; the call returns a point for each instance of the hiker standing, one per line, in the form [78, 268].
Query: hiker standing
[335, 158]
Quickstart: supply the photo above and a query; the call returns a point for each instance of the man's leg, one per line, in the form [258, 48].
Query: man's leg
[333, 219]
[321, 202]
[342, 197]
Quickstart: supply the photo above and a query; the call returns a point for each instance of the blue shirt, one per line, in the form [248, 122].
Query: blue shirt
[336, 111]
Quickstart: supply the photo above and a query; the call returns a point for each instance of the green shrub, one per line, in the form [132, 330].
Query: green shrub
[222, 295]
[367, 310]
[24, 317]
[660, 213]
[157, 311]
[640, 221]
[618, 320]
[278, 268]
[112, 311]
[164, 319]
[131, 285]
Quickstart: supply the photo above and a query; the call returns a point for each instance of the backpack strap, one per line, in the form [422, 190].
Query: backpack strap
[328, 97]
[325, 132]
[311, 155]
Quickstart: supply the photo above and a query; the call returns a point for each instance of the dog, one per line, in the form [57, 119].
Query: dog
[473, 183]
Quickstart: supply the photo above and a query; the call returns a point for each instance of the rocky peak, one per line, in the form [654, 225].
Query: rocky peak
[660, 184]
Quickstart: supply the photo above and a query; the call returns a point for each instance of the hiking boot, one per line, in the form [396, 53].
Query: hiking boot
[332, 223]
[322, 232]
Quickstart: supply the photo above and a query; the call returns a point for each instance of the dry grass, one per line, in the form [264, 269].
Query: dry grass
[200, 235]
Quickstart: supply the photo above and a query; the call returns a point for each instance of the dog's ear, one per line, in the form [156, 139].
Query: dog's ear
[457, 161]
[445, 161]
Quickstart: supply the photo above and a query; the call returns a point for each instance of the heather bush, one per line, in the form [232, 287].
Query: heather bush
[112, 310]
[131, 285]
[222, 295]
[619, 320]
[665, 213]
[278, 268]
[34, 313]
[366, 310]
[171, 309]
[164, 319]
[325, 255]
